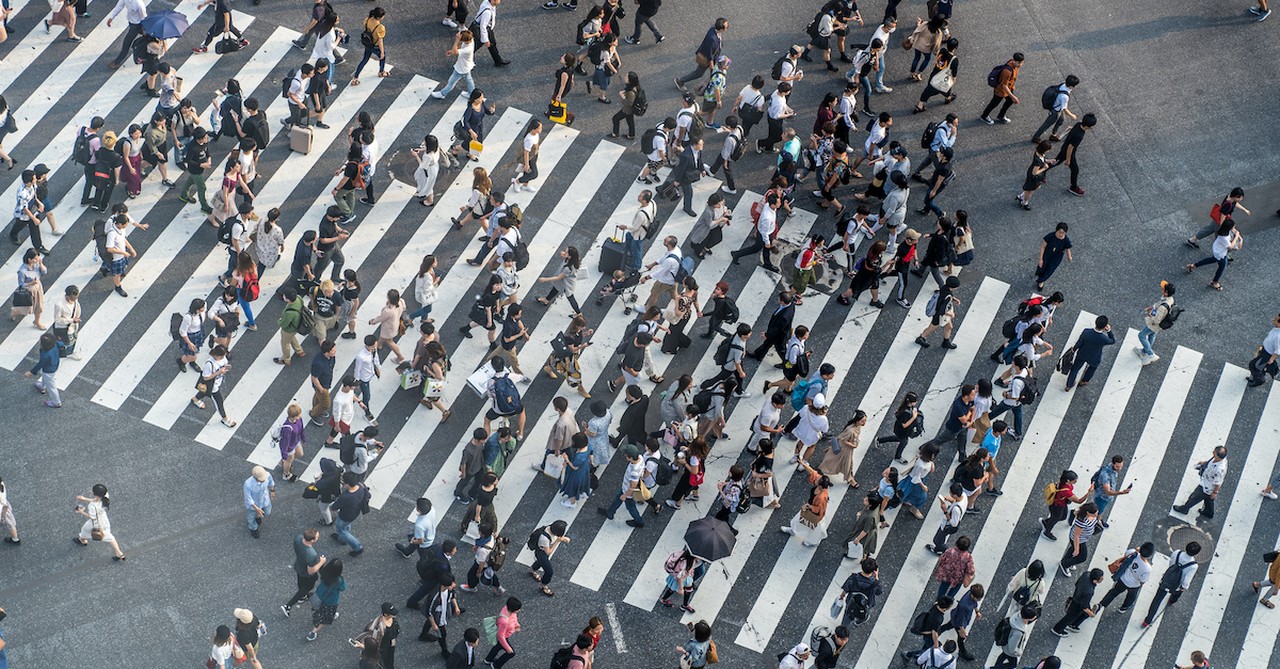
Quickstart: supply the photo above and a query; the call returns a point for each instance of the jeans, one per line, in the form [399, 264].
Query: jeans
[631, 508]
[648, 21]
[948, 589]
[996, 101]
[880, 72]
[635, 253]
[999, 410]
[251, 517]
[343, 528]
[364, 392]
[929, 203]
[1103, 502]
[1222, 263]
[541, 561]
[1054, 120]
[232, 257]
[50, 387]
[454, 78]
[1147, 338]
[920, 61]
[248, 310]
[864, 84]
[421, 312]
[368, 53]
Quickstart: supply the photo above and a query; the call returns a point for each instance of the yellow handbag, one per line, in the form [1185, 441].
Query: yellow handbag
[643, 493]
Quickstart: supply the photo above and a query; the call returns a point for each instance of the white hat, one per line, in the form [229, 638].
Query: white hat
[260, 473]
[820, 401]
[243, 615]
[800, 649]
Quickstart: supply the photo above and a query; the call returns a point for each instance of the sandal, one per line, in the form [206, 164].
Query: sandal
[656, 379]
[916, 512]
[445, 416]
[551, 593]
[1215, 286]
[228, 422]
[384, 74]
[853, 484]
[1266, 603]
[543, 301]
[197, 403]
[550, 372]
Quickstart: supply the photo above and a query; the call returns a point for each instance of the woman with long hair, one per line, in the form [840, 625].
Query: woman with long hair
[226, 318]
[913, 490]
[130, 146]
[630, 92]
[30, 274]
[97, 525]
[566, 280]
[424, 289]
[268, 244]
[680, 313]
[690, 469]
[807, 524]
[389, 322]
[680, 581]
[839, 460]
[328, 593]
[226, 653]
[435, 366]
[245, 277]
[1227, 240]
[7, 126]
[430, 158]
[478, 204]
[866, 275]
[565, 351]
[374, 27]
[907, 420]
[46, 366]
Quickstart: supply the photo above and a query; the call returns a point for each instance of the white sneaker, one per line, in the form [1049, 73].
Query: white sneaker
[1150, 359]
[437, 95]
[528, 189]
[449, 23]
[730, 191]
[1270, 495]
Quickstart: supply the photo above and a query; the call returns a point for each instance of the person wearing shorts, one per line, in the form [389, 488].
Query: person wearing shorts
[632, 362]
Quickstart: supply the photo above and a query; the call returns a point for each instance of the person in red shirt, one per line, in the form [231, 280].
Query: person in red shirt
[1064, 495]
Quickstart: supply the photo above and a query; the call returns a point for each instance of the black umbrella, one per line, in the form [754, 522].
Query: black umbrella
[709, 539]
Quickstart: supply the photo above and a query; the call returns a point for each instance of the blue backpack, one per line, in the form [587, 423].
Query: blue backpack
[506, 399]
[798, 392]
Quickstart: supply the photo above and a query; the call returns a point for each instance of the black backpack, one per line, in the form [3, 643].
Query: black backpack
[628, 336]
[728, 311]
[595, 53]
[563, 657]
[225, 229]
[664, 473]
[1030, 391]
[641, 105]
[532, 543]
[812, 29]
[578, 38]
[1004, 630]
[917, 623]
[81, 152]
[288, 80]
[647, 140]
[1049, 96]
[926, 139]
[776, 70]
[1010, 328]
[367, 39]
[1170, 317]
[347, 450]
[1172, 577]
[722, 351]
[702, 401]
[175, 326]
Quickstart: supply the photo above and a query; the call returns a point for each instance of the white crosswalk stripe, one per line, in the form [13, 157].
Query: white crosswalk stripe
[768, 593]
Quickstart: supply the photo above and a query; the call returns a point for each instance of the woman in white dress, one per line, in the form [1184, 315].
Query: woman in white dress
[97, 525]
[430, 158]
[807, 524]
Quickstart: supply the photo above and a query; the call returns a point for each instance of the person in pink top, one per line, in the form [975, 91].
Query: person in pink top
[508, 624]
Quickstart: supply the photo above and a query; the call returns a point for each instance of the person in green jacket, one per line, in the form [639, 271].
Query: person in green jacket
[289, 322]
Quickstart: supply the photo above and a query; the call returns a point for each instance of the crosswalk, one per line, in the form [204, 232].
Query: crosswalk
[772, 591]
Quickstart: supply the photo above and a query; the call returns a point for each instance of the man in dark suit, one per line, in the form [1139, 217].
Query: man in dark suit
[463, 655]
[1089, 347]
[687, 171]
[779, 328]
[433, 566]
[631, 428]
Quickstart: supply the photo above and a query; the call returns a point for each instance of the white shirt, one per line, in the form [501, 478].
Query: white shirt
[632, 474]
[325, 44]
[768, 417]
[211, 367]
[344, 406]
[874, 138]
[371, 152]
[881, 34]
[789, 68]
[642, 221]
[953, 516]
[768, 222]
[659, 145]
[934, 658]
[487, 19]
[530, 141]
[751, 97]
[466, 58]
[777, 105]
[811, 427]
[1212, 474]
[1139, 571]
[135, 10]
[296, 87]
[1221, 244]
[366, 364]
[191, 323]
[684, 119]
[665, 271]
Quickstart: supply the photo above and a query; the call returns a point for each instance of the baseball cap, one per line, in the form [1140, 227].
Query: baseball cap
[41, 169]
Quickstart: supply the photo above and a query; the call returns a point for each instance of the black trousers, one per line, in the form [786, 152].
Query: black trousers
[305, 585]
[217, 29]
[33, 227]
[1258, 368]
[104, 187]
[1069, 560]
[1076, 366]
[1074, 616]
[629, 117]
[133, 33]
[756, 244]
[779, 345]
[997, 101]
[775, 135]
[1197, 495]
[940, 537]
[86, 195]
[1155, 603]
[493, 43]
[1130, 595]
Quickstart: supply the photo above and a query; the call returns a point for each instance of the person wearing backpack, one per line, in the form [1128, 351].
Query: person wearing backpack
[1004, 79]
[1019, 386]
[290, 322]
[1011, 636]
[1057, 497]
[1175, 580]
[372, 38]
[943, 173]
[928, 626]
[706, 53]
[1155, 319]
[1132, 572]
[943, 307]
[1058, 107]
[859, 592]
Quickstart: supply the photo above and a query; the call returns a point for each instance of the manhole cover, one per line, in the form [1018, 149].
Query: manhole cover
[826, 280]
[1173, 534]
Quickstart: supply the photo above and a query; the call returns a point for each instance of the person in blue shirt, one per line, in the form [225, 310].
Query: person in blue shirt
[4, 656]
[424, 530]
[259, 490]
[964, 615]
[1106, 486]
[706, 54]
[991, 442]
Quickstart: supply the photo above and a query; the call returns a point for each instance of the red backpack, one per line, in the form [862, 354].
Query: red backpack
[249, 289]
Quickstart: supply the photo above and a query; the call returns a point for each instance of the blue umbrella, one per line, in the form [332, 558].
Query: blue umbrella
[165, 24]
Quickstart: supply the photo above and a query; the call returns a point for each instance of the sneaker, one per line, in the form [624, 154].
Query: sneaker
[946, 343]
[1066, 573]
[284, 608]
[1150, 359]
[882, 89]
[1263, 16]
[201, 49]
[244, 43]
[550, 5]
[986, 120]
[1073, 629]
[902, 303]
[311, 636]
[449, 23]
[672, 504]
[1076, 190]
[1271, 495]
[1123, 609]
[1057, 633]
[629, 39]
[437, 95]
[728, 190]
[1004, 119]
[365, 200]
[679, 85]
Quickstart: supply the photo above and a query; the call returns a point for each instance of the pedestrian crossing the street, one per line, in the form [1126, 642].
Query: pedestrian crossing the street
[772, 591]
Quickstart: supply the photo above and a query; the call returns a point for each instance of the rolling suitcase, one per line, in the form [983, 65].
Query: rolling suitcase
[669, 191]
[613, 254]
[300, 139]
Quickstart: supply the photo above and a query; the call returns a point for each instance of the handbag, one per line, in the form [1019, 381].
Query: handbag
[964, 244]
[853, 551]
[476, 147]
[907, 42]
[810, 517]
[553, 466]
[643, 493]
[432, 389]
[713, 656]
[410, 378]
[836, 607]
[758, 487]
[491, 630]
[942, 81]
[22, 297]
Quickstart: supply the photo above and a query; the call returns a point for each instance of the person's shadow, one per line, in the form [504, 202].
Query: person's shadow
[1119, 35]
